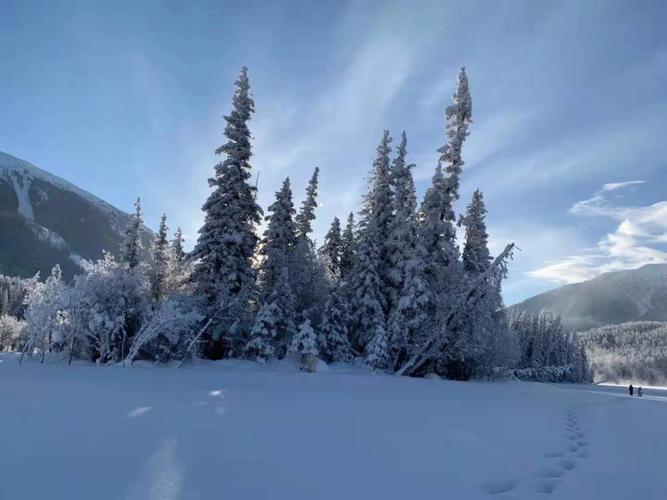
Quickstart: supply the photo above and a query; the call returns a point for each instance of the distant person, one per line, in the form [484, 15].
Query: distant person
[639, 393]
[631, 390]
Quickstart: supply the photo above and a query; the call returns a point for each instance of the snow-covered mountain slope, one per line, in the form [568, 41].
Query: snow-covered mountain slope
[611, 298]
[46, 220]
[243, 431]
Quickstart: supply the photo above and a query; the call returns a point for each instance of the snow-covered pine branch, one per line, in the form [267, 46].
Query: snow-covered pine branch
[173, 321]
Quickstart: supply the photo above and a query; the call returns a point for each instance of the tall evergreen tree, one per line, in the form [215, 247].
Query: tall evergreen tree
[334, 333]
[367, 297]
[177, 247]
[483, 338]
[133, 245]
[437, 232]
[307, 275]
[402, 236]
[476, 255]
[458, 116]
[306, 216]
[160, 261]
[378, 209]
[331, 251]
[274, 327]
[226, 245]
[348, 249]
[279, 240]
[368, 282]
[437, 236]
[409, 319]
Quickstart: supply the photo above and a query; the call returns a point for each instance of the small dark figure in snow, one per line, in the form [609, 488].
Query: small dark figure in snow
[631, 389]
[640, 393]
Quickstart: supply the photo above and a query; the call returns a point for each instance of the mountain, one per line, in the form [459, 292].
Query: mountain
[611, 298]
[46, 220]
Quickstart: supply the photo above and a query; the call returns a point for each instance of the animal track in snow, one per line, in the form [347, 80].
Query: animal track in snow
[499, 486]
[551, 472]
[547, 486]
[567, 464]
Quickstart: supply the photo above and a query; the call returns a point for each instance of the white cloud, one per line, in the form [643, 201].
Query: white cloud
[613, 186]
[632, 244]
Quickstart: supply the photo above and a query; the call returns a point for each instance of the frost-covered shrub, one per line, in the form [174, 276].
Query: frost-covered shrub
[168, 331]
[106, 308]
[46, 319]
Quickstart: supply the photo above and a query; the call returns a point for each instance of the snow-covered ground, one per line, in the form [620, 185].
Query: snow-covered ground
[240, 431]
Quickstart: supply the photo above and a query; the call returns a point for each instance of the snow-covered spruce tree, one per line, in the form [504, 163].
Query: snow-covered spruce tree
[410, 293]
[177, 247]
[482, 342]
[331, 252]
[304, 346]
[438, 237]
[409, 320]
[261, 346]
[279, 241]
[309, 284]
[160, 262]
[377, 351]
[367, 284]
[458, 116]
[366, 294]
[307, 274]
[437, 234]
[348, 249]
[226, 245]
[306, 216]
[476, 255]
[334, 334]
[378, 210]
[402, 236]
[131, 251]
[274, 327]
[437, 214]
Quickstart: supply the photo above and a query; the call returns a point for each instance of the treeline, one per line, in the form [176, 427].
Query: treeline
[629, 352]
[390, 286]
[547, 352]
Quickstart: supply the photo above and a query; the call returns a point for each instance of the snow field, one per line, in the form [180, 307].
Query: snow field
[240, 430]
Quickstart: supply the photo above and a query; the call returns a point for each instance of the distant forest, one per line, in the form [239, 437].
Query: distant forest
[629, 352]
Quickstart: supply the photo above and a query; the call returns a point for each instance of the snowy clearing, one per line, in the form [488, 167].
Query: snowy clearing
[242, 431]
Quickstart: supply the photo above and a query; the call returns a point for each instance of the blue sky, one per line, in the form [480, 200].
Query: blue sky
[569, 106]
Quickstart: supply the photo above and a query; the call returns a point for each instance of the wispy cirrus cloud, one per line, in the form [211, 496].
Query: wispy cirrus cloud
[634, 242]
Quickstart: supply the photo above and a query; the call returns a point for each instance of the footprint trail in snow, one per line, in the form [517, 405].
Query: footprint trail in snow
[557, 463]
